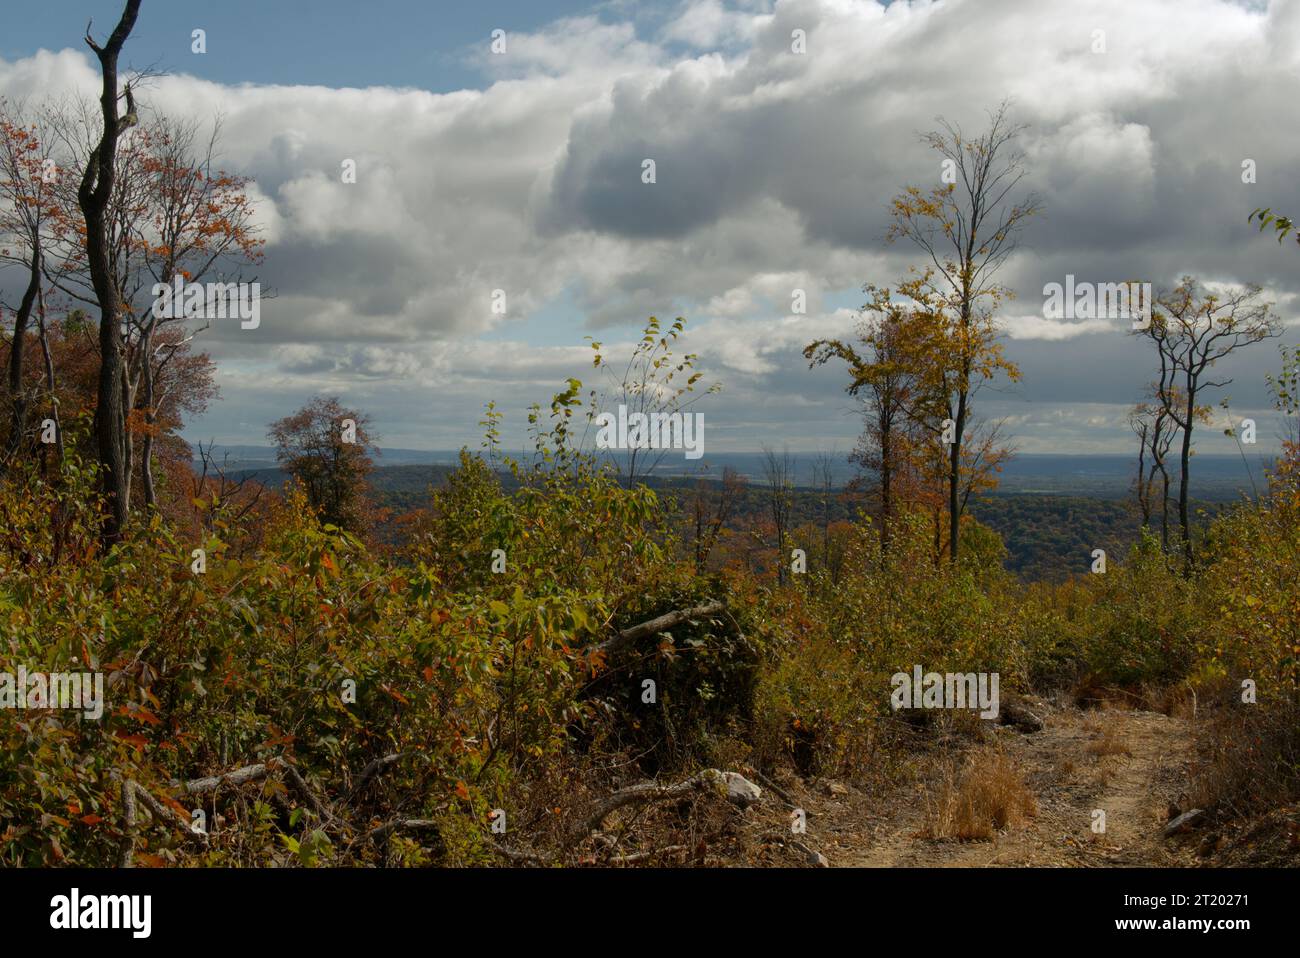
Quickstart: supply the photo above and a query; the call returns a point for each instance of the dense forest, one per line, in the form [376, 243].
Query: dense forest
[557, 659]
[1046, 537]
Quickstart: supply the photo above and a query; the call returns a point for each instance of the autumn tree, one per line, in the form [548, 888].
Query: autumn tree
[327, 449]
[1192, 329]
[200, 224]
[967, 228]
[892, 372]
[27, 170]
[778, 480]
[712, 505]
[173, 215]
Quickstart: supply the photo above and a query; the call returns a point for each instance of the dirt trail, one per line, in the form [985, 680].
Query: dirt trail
[1134, 786]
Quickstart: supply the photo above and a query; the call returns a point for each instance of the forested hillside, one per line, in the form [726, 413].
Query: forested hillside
[1046, 537]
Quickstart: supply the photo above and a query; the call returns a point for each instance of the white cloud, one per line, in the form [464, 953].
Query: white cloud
[774, 173]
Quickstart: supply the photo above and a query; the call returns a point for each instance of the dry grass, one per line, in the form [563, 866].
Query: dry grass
[1249, 759]
[1108, 743]
[1092, 693]
[988, 795]
[1176, 701]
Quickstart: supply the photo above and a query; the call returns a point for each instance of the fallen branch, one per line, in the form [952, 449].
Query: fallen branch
[413, 824]
[132, 790]
[317, 804]
[662, 623]
[522, 858]
[778, 790]
[642, 856]
[258, 771]
[371, 770]
[646, 792]
[239, 776]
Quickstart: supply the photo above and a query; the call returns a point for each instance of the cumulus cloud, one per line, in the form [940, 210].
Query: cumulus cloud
[774, 169]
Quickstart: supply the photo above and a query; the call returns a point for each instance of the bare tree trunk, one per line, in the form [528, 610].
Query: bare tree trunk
[886, 482]
[94, 195]
[954, 477]
[17, 352]
[49, 378]
[1185, 472]
[1164, 508]
[146, 450]
[1143, 484]
[128, 438]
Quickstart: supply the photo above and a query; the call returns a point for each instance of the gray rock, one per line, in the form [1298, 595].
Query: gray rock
[1184, 822]
[740, 790]
[1016, 715]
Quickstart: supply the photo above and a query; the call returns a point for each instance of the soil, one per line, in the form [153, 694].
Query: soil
[1131, 764]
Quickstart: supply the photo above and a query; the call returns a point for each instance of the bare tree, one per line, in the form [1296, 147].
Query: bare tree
[93, 196]
[712, 504]
[1156, 430]
[173, 213]
[225, 497]
[1192, 329]
[823, 476]
[967, 230]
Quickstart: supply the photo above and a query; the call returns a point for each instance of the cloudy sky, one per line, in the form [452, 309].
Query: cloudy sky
[521, 171]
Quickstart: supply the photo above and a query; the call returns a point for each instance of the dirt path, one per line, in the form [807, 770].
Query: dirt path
[1129, 764]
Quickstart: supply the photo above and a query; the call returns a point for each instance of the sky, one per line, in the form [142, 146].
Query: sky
[521, 171]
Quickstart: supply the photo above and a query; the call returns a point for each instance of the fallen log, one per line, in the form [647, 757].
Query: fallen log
[238, 776]
[739, 790]
[663, 623]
